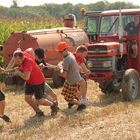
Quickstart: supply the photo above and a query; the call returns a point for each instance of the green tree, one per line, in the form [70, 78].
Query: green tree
[15, 4]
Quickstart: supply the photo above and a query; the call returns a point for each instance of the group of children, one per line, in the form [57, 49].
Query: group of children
[74, 88]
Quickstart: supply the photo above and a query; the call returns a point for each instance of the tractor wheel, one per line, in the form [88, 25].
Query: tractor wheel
[130, 85]
[57, 80]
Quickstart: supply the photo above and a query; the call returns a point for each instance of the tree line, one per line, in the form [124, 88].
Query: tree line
[59, 10]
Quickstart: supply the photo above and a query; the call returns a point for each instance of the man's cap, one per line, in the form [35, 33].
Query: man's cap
[61, 46]
[39, 52]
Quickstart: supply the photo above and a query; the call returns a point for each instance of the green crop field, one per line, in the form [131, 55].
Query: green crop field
[9, 25]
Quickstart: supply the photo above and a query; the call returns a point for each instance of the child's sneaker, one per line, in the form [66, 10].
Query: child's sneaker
[57, 105]
[81, 107]
[70, 105]
[5, 118]
[84, 101]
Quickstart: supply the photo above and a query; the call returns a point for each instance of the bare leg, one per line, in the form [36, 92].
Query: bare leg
[83, 88]
[75, 102]
[44, 102]
[47, 101]
[52, 94]
[2, 107]
[32, 103]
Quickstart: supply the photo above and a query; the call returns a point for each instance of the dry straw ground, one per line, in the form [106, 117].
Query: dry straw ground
[109, 119]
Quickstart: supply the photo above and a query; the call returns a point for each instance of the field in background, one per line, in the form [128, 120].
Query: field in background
[108, 119]
[10, 25]
[7, 26]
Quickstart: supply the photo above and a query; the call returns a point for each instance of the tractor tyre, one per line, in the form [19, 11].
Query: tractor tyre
[130, 85]
[57, 80]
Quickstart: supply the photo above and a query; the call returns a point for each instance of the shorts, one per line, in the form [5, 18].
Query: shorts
[36, 90]
[70, 91]
[2, 96]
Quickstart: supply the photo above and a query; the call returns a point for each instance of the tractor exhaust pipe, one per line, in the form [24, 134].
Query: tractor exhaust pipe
[120, 33]
[70, 21]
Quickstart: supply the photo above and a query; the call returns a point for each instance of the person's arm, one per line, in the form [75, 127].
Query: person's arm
[43, 64]
[11, 64]
[64, 74]
[50, 66]
[24, 75]
[85, 69]
[26, 71]
[2, 70]
[66, 65]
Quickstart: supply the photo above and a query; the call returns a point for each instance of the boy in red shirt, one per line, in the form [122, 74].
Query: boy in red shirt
[80, 55]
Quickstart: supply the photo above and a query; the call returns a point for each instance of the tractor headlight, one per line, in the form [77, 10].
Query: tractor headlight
[107, 64]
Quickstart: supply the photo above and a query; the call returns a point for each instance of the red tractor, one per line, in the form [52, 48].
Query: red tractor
[113, 52]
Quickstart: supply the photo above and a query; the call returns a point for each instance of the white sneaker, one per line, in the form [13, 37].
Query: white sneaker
[84, 101]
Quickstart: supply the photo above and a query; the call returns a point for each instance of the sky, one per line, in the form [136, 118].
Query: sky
[8, 3]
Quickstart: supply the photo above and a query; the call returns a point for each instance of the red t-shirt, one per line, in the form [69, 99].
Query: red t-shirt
[78, 59]
[36, 76]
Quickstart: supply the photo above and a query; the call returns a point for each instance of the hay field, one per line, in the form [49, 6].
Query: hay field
[108, 119]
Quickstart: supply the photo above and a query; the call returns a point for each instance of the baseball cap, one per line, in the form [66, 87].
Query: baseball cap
[61, 46]
[39, 52]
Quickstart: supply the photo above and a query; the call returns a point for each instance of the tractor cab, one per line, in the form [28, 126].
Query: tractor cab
[124, 29]
[91, 25]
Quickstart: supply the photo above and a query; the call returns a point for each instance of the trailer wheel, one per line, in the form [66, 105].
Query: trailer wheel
[130, 85]
[14, 80]
[57, 80]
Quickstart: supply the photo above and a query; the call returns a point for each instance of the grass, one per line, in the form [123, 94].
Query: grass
[109, 119]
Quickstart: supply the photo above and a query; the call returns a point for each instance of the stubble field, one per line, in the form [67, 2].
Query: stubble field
[107, 117]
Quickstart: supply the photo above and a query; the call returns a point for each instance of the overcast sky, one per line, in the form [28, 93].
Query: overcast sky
[8, 3]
